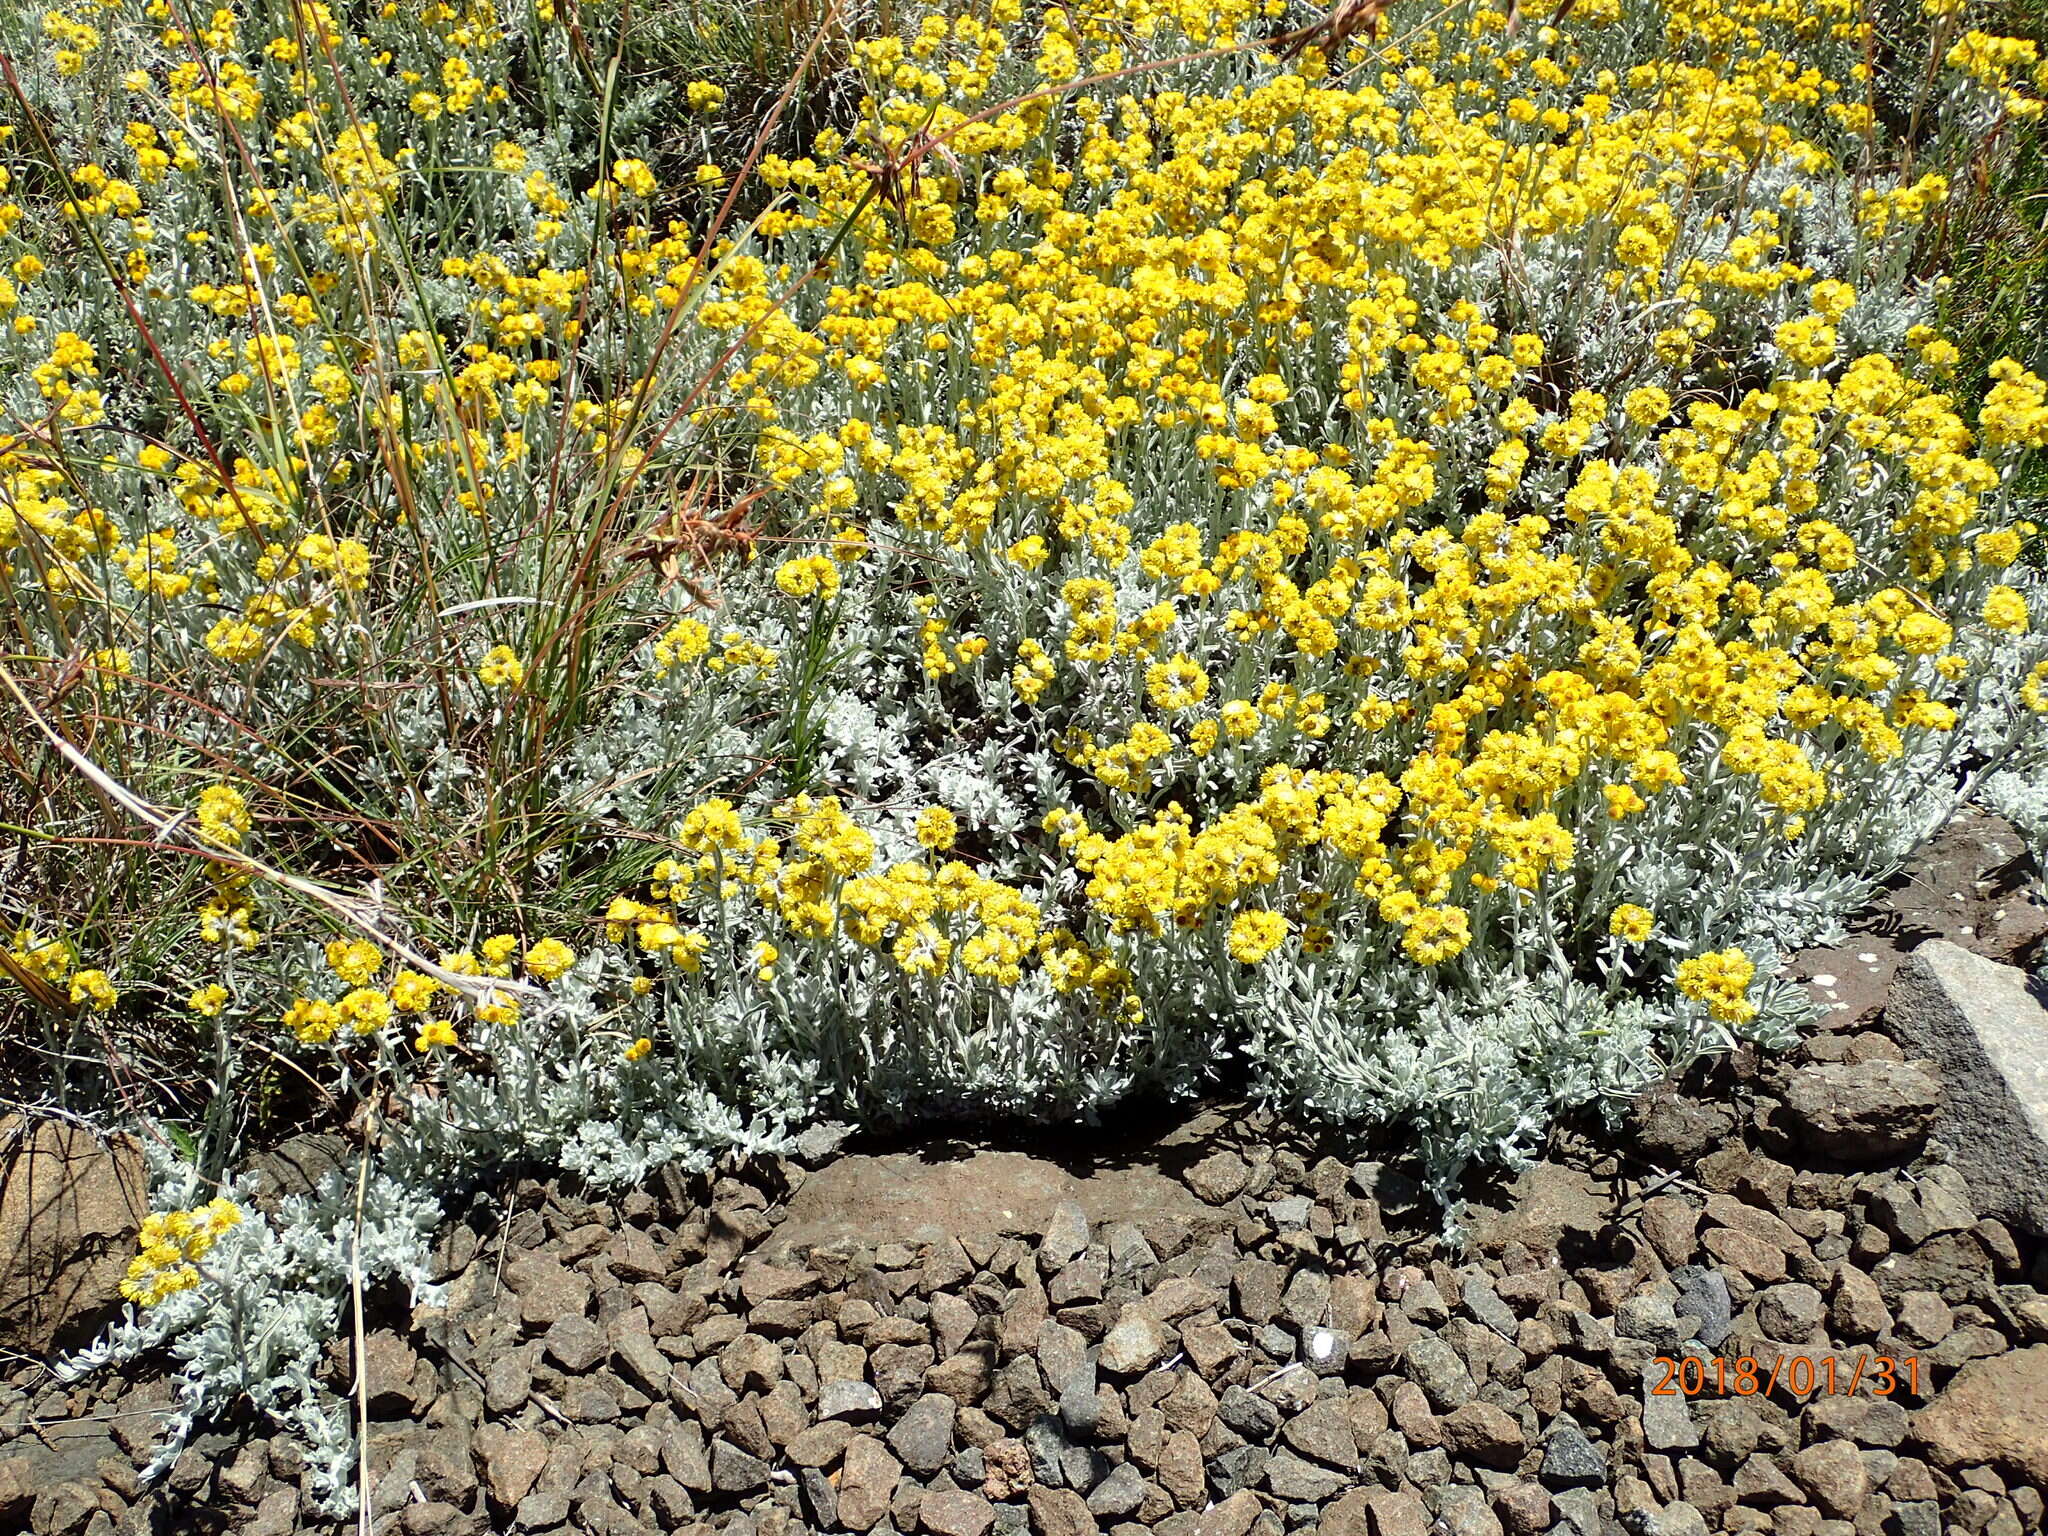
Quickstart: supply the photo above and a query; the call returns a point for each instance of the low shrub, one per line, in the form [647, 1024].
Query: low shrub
[1396, 571]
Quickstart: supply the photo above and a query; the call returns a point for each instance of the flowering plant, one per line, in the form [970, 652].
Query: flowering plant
[1400, 575]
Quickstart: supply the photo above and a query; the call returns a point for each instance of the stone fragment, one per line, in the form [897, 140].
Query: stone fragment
[867, 1482]
[1438, 1370]
[1667, 1415]
[512, 1460]
[1993, 1412]
[1878, 1422]
[1234, 1516]
[1060, 1512]
[1481, 1432]
[1863, 1111]
[70, 1206]
[955, 1512]
[1791, 1313]
[1570, 1460]
[1833, 1472]
[575, 1343]
[1219, 1177]
[1985, 1025]
[1703, 1295]
[1323, 1431]
[1855, 1304]
[1524, 1508]
[736, 1471]
[1137, 1343]
[547, 1292]
[1302, 1482]
[923, 1437]
[1118, 1494]
[855, 1401]
[1398, 1514]
[1065, 1239]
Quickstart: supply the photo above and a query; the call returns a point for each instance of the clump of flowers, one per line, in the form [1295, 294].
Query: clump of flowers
[1409, 572]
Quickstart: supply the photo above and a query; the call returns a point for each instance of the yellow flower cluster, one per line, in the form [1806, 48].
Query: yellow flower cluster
[172, 1244]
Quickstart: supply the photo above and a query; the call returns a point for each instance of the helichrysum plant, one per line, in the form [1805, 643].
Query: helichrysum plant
[1407, 574]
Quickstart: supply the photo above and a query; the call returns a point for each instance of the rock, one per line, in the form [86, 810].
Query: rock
[1323, 1430]
[1667, 1415]
[61, 1509]
[924, 1197]
[1524, 1508]
[761, 1283]
[1060, 1512]
[819, 1497]
[820, 1445]
[70, 1206]
[1235, 1516]
[296, 1165]
[1137, 1343]
[575, 1343]
[512, 1460]
[736, 1471]
[17, 1487]
[1834, 1474]
[1570, 1460]
[856, 1401]
[1877, 1422]
[1398, 1514]
[1863, 1111]
[1992, 1412]
[1676, 1519]
[867, 1481]
[1703, 1294]
[1480, 1432]
[1219, 1177]
[1790, 1313]
[1302, 1482]
[1675, 1128]
[1438, 1370]
[547, 1292]
[1985, 1026]
[1118, 1494]
[923, 1437]
[750, 1363]
[1065, 1239]
[953, 1512]
[1856, 1306]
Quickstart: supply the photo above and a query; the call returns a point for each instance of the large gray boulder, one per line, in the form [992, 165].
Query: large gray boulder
[1986, 1026]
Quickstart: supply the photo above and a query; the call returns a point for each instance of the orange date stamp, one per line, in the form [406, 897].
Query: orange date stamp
[1800, 1375]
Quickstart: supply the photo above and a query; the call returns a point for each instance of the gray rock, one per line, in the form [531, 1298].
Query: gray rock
[1986, 1027]
[1438, 1370]
[1790, 1313]
[923, 1437]
[1066, 1238]
[1248, 1414]
[820, 1498]
[1045, 1445]
[1303, 1482]
[1703, 1294]
[1570, 1460]
[1080, 1404]
[1483, 1302]
[855, 1401]
[1118, 1494]
[1918, 1517]
[1667, 1416]
[1650, 1316]
[734, 1470]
